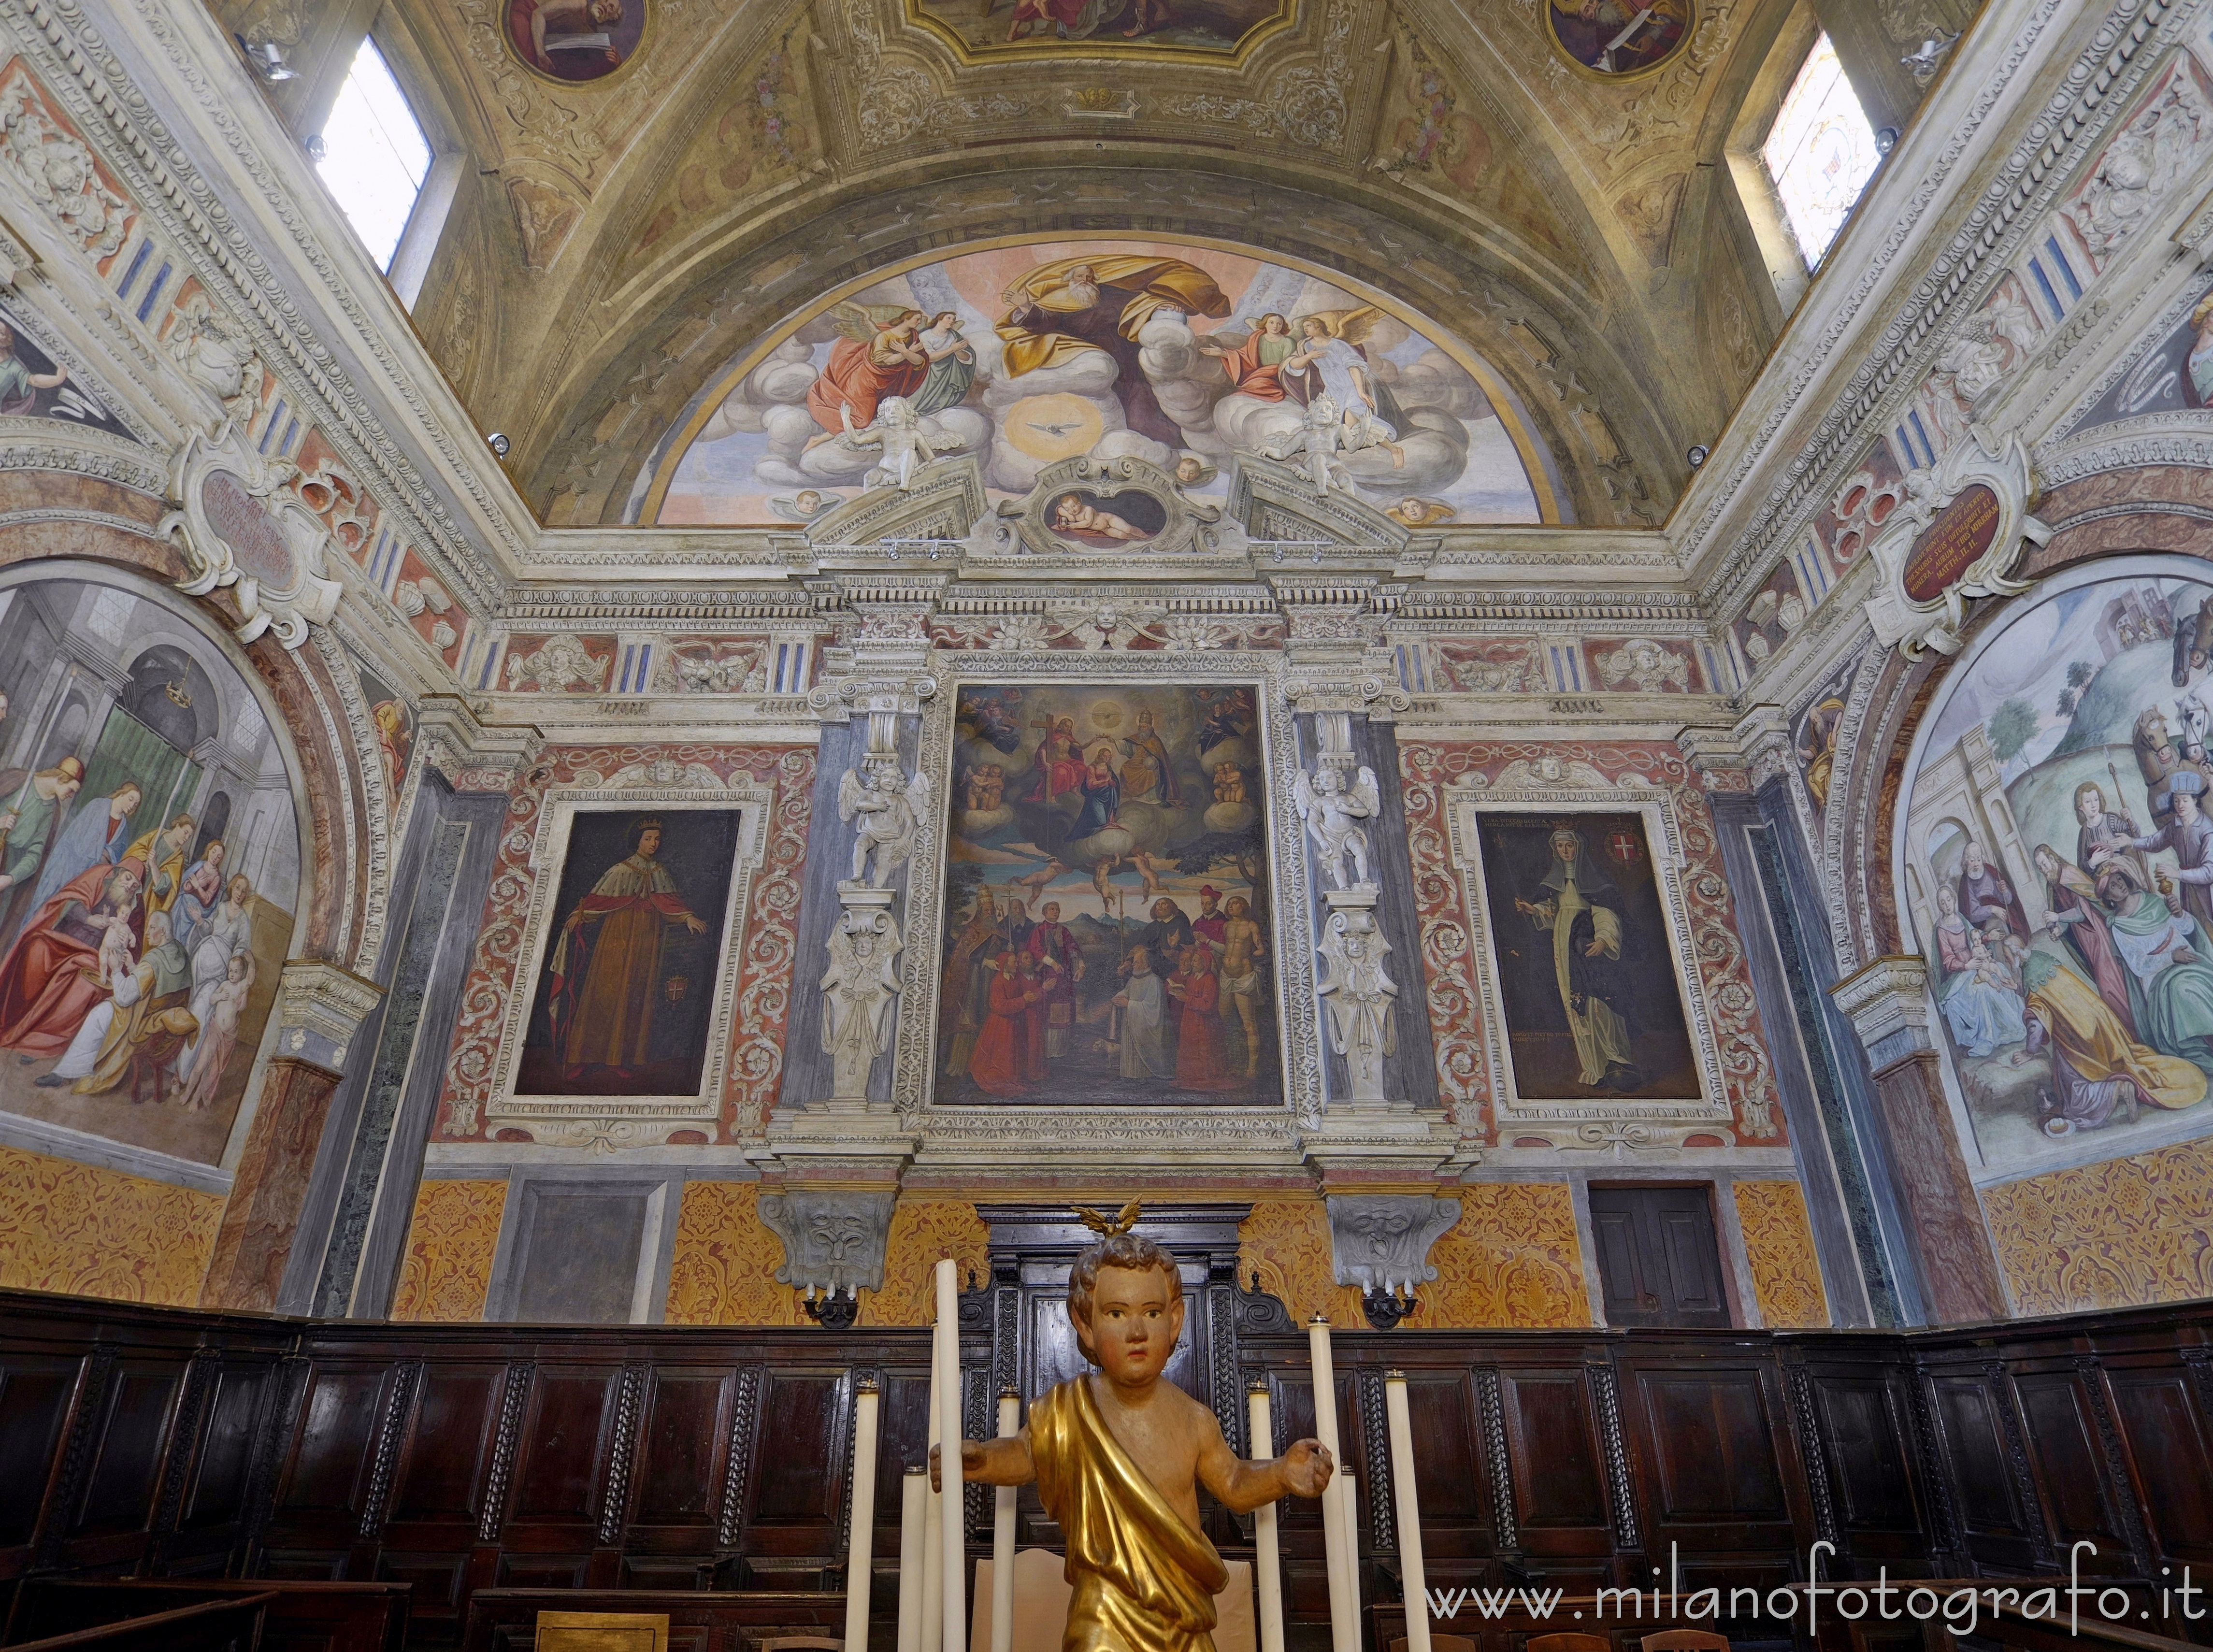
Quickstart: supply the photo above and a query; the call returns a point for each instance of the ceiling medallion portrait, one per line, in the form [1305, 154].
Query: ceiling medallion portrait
[1619, 39]
[1199, 31]
[576, 42]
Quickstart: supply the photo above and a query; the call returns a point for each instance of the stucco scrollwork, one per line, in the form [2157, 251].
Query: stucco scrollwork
[1958, 534]
[241, 529]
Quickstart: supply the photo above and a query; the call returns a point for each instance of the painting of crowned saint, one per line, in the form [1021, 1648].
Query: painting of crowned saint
[1107, 937]
[149, 869]
[575, 40]
[1585, 970]
[1021, 356]
[1048, 28]
[2068, 923]
[624, 994]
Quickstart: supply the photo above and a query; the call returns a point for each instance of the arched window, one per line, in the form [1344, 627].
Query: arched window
[374, 156]
[1820, 151]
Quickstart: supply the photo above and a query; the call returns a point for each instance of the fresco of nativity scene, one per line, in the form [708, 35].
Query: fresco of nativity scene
[149, 866]
[1023, 358]
[2067, 915]
[1106, 933]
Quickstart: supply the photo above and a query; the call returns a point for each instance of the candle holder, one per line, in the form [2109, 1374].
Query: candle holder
[1385, 1308]
[833, 1311]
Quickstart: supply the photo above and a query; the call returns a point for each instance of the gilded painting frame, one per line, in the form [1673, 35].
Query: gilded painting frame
[1237, 1134]
[627, 1120]
[1601, 1123]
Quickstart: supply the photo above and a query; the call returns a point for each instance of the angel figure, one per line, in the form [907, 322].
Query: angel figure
[898, 431]
[1334, 814]
[878, 357]
[858, 989]
[1332, 360]
[804, 506]
[891, 811]
[1413, 511]
[1315, 441]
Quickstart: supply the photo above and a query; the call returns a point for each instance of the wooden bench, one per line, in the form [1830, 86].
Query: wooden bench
[228, 1626]
[299, 1617]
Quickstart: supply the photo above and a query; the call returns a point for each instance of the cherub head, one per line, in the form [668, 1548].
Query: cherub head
[897, 412]
[1066, 510]
[1125, 1303]
[809, 500]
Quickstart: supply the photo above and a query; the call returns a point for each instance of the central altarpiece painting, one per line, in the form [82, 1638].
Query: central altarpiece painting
[1106, 931]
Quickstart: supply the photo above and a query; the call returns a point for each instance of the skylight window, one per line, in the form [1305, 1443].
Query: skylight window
[1821, 152]
[375, 155]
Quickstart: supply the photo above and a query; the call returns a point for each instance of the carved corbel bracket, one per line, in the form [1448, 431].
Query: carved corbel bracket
[833, 1240]
[1380, 1242]
[1887, 1004]
[473, 755]
[320, 1007]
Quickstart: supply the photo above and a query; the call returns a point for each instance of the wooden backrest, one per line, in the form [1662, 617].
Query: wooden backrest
[1564, 1642]
[233, 1625]
[1686, 1640]
[344, 1617]
[1439, 1643]
[775, 1642]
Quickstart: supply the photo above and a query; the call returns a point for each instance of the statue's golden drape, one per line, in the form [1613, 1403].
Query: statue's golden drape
[1144, 1581]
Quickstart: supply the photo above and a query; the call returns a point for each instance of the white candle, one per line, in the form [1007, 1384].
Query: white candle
[860, 1542]
[914, 1514]
[1351, 1494]
[1343, 1611]
[1266, 1565]
[1409, 1512]
[1002, 1534]
[933, 1507]
[952, 1547]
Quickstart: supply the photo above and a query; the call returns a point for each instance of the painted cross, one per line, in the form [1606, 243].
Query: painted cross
[1622, 845]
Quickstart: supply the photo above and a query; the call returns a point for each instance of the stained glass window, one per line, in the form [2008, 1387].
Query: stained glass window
[375, 155]
[1820, 151]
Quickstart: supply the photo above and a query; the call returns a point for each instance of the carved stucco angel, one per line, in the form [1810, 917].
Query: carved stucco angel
[890, 811]
[1334, 811]
[857, 990]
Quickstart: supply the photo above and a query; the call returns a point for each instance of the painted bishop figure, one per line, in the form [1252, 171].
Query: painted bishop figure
[1119, 1456]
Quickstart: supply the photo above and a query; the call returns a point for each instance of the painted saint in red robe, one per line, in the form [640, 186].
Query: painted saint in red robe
[1251, 366]
[50, 980]
[1202, 1053]
[861, 373]
[1001, 1063]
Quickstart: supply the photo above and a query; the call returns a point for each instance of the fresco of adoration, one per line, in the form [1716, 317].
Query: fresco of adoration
[1063, 27]
[2068, 922]
[1107, 935]
[150, 860]
[1020, 357]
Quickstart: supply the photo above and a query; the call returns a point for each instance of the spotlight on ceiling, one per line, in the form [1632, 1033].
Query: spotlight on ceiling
[498, 443]
[1885, 140]
[316, 149]
[267, 59]
[1697, 456]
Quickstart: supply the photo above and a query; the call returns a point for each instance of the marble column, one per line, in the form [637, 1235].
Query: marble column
[320, 1007]
[1888, 1006]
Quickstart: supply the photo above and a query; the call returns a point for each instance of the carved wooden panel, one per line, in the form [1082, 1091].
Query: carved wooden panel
[1559, 1481]
[681, 1448]
[1711, 1438]
[34, 1397]
[329, 1467]
[2172, 1458]
[564, 1438]
[2064, 1452]
[1867, 1452]
[442, 1466]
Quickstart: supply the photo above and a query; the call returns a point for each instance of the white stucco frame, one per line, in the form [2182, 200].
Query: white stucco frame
[1602, 1122]
[628, 1120]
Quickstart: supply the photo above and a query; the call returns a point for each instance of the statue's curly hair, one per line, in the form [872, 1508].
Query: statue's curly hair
[1118, 1249]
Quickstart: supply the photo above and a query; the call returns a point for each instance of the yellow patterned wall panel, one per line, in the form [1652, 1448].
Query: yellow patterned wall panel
[1511, 1259]
[1778, 1241]
[95, 1232]
[2113, 1234]
[1286, 1242]
[921, 1231]
[724, 1269]
[450, 1245]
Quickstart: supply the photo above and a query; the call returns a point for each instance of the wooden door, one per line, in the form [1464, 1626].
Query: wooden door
[1656, 1256]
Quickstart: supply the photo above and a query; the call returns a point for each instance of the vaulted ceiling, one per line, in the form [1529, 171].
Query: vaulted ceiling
[615, 243]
